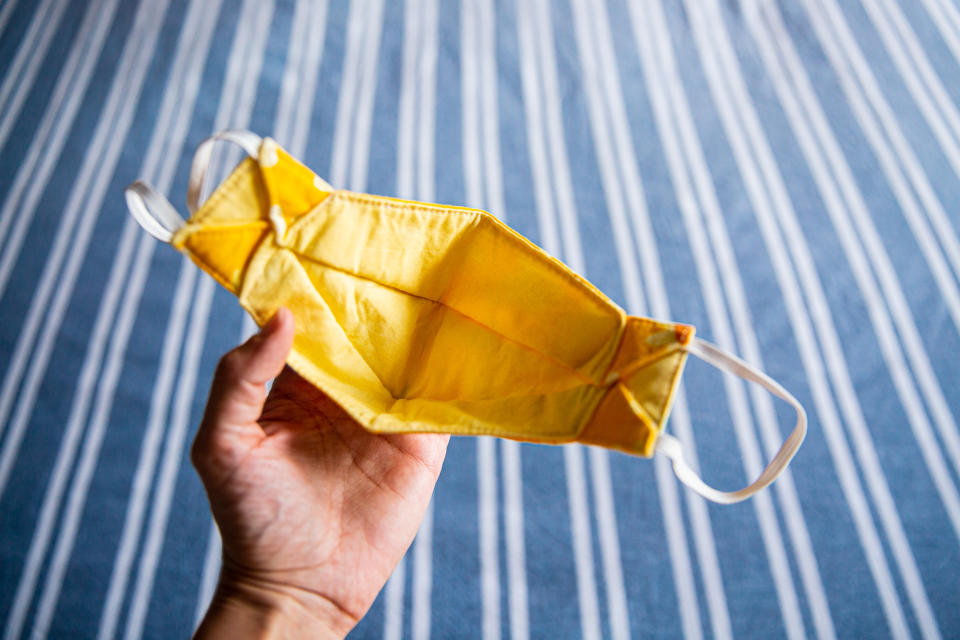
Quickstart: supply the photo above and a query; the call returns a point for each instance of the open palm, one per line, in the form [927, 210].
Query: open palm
[307, 501]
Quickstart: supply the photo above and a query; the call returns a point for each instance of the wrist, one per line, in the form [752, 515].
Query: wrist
[245, 607]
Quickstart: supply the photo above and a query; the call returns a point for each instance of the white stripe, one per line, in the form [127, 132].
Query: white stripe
[293, 72]
[606, 516]
[113, 126]
[36, 179]
[422, 583]
[364, 106]
[677, 540]
[514, 534]
[208, 579]
[482, 160]
[609, 543]
[762, 207]
[5, 14]
[249, 327]
[929, 97]
[393, 603]
[53, 314]
[688, 194]
[573, 251]
[942, 14]
[224, 157]
[696, 199]
[648, 254]
[486, 447]
[427, 74]
[510, 450]
[902, 152]
[813, 364]
[53, 496]
[35, 170]
[161, 162]
[41, 310]
[307, 91]
[22, 72]
[556, 145]
[173, 454]
[393, 595]
[346, 102]
[156, 531]
[930, 388]
[632, 186]
[490, 122]
[532, 69]
[841, 171]
[536, 144]
[173, 338]
[469, 104]
[138, 50]
[153, 434]
[406, 109]
[903, 319]
[804, 333]
[580, 533]
[625, 158]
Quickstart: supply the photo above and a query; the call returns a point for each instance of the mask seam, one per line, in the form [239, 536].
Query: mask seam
[647, 419]
[246, 167]
[640, 363]
[597, 297]
[553, 263]
[585, 379]
[567, 436]
[253, 283]
[564, 437]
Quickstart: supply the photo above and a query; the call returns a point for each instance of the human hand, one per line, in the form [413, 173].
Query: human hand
[314, 511]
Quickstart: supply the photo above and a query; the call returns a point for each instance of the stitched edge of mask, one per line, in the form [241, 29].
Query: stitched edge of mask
[667, 407]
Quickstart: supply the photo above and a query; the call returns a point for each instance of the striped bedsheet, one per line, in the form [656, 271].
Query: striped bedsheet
[784, 175]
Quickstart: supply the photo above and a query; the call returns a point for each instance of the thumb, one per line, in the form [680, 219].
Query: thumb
[238, 390]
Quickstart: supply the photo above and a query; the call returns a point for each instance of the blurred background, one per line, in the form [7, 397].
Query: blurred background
[783, 175]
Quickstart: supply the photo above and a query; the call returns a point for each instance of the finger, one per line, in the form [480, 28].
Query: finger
[238, 390]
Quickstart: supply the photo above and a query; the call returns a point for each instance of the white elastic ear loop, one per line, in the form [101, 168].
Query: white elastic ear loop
[249, 142]
[671, 447]
[153, 211]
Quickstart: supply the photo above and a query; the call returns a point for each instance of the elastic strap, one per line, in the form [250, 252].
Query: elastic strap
[155, 213]
[249, 142]
[671, 447]
[152, 210]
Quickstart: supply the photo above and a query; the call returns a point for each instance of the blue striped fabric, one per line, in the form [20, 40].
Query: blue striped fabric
[785, 176]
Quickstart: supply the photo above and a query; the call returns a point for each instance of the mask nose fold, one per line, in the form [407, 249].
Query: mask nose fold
[641, 383]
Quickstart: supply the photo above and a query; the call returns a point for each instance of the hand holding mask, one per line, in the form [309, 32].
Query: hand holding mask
[418, 317]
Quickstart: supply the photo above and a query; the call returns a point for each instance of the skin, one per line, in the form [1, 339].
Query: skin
[314, 511]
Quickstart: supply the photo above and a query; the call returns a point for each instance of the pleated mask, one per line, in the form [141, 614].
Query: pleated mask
[419, 317]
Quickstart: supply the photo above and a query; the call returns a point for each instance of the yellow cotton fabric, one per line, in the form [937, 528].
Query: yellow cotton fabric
[418, 317]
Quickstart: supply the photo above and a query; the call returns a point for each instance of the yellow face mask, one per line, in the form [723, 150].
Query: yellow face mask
[419, 317]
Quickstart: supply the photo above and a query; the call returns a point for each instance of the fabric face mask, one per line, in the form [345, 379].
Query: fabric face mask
[418, 317]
